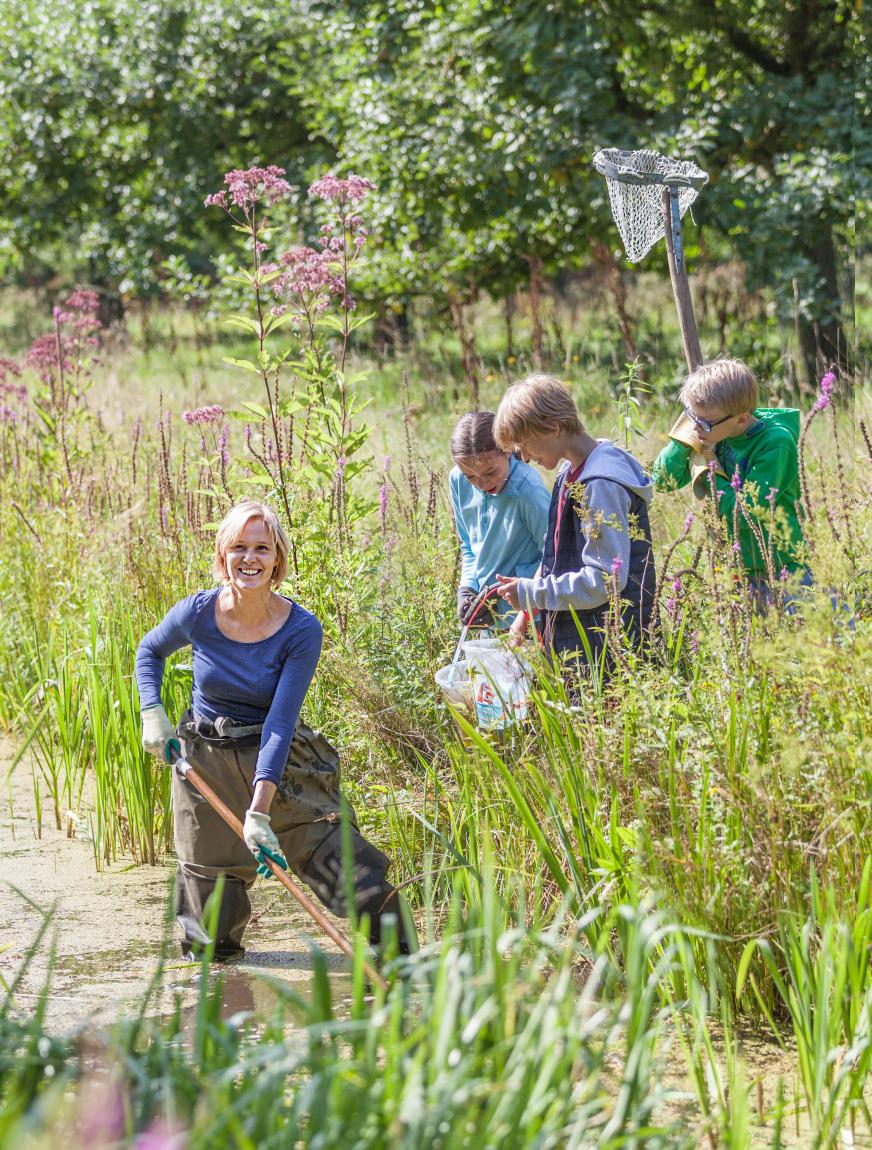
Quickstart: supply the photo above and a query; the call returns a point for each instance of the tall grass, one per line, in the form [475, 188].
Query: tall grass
[720, 786]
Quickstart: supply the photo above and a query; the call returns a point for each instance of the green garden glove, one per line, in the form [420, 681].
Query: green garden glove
[158, 733]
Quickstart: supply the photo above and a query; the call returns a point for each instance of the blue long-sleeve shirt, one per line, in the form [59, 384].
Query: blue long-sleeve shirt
[262, 682]
[502, 533]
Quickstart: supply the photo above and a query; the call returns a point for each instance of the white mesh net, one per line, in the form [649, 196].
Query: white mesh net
[635, 182]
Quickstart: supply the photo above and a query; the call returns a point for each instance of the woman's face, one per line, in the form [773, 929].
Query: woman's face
[486, 472]
[251, 559]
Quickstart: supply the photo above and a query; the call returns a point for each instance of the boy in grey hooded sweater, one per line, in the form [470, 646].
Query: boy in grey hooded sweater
[598, 540]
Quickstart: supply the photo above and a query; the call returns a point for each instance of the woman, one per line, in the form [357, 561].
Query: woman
[254, 654]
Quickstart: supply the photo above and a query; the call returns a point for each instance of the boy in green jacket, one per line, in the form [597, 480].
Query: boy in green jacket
[745, 449]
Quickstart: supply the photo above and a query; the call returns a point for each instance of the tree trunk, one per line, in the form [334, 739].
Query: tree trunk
[509, 317]
[824, 342]
[536, 308]
[467, 342]
[616, 286]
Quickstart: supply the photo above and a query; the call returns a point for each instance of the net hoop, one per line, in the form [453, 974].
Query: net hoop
[646, 167]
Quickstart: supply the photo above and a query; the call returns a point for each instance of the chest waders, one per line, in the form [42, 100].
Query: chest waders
[305, 816]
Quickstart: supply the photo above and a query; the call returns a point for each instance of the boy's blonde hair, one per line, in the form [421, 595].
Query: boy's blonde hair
[725, 383]
[533, 405]
[232, 526]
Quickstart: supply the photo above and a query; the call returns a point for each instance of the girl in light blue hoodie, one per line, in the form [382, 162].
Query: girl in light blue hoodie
[500, 509]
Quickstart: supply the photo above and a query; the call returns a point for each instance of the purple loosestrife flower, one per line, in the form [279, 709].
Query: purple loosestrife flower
[688, 522]
[737, 547]
[736, 481]
[386, 465]
[340, 467]
[676, 586]
[222, 444]
[617, 564]
[8, 414]
[771, 496]
[825, 395]
[784, 575]
[337, 191]
[671, 606]
[694, 643]
[383, 505]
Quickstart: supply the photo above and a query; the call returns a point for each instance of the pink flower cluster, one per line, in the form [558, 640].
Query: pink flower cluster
[204, 414]
[247, 187]
[42, 357]
[81, 310]
[308, 280]
[337, 191]
[14, 391]
[8, 414]
[825, 395]
[8, 367]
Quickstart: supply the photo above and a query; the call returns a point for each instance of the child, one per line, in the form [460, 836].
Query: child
[598, 536]
[500, 509]
[745, 449]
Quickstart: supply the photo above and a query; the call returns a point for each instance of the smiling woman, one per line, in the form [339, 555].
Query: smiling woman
[254, 655]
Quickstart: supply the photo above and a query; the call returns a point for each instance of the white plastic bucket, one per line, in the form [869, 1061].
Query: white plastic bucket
[453, 682]
[500, 689]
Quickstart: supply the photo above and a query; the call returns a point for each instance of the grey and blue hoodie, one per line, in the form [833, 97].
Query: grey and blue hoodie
[603, 534]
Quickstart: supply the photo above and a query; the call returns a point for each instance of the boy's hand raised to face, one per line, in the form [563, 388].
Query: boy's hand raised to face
[508, 590]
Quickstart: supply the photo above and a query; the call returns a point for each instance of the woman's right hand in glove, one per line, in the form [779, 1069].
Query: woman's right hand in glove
[259, 835]
[466, 598]
[158, 733]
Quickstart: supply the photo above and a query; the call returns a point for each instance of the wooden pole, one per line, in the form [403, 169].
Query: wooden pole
[680, 285]
[288, 883]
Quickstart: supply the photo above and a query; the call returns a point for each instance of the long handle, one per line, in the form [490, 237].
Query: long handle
[678, 276]
[288, 883]
[477, 604]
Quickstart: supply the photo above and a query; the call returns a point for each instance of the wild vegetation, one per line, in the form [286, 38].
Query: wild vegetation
[675, 858]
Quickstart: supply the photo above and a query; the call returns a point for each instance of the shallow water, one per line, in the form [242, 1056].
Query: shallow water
[108, 928]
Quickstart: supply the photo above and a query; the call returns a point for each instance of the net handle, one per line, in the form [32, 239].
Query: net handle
[626, 175]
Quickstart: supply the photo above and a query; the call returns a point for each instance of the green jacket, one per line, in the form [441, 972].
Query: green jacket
[766, 459]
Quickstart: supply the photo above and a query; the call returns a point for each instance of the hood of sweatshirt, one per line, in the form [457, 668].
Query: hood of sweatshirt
[608, 461]
[786, 417]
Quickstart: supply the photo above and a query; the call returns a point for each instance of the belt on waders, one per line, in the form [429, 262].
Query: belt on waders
[222, 727]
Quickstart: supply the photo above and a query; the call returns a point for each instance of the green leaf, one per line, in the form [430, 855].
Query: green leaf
[244, 363]
[257, 409]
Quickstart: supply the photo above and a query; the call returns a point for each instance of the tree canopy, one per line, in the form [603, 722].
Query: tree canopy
[476, 119]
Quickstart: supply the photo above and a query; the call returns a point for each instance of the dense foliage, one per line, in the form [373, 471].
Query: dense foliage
[477, 121]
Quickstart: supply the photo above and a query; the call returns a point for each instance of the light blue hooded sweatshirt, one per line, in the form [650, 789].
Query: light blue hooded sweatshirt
[502, 533]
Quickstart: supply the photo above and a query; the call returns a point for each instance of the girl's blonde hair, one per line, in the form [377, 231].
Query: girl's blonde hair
[232, 526]
[727, 384]
[532, 405]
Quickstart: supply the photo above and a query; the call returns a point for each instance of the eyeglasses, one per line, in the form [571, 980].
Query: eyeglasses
[704, 424]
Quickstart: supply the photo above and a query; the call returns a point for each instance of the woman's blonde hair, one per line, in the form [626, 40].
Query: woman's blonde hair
[727, 384]
[532, 405]
[233, 524]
